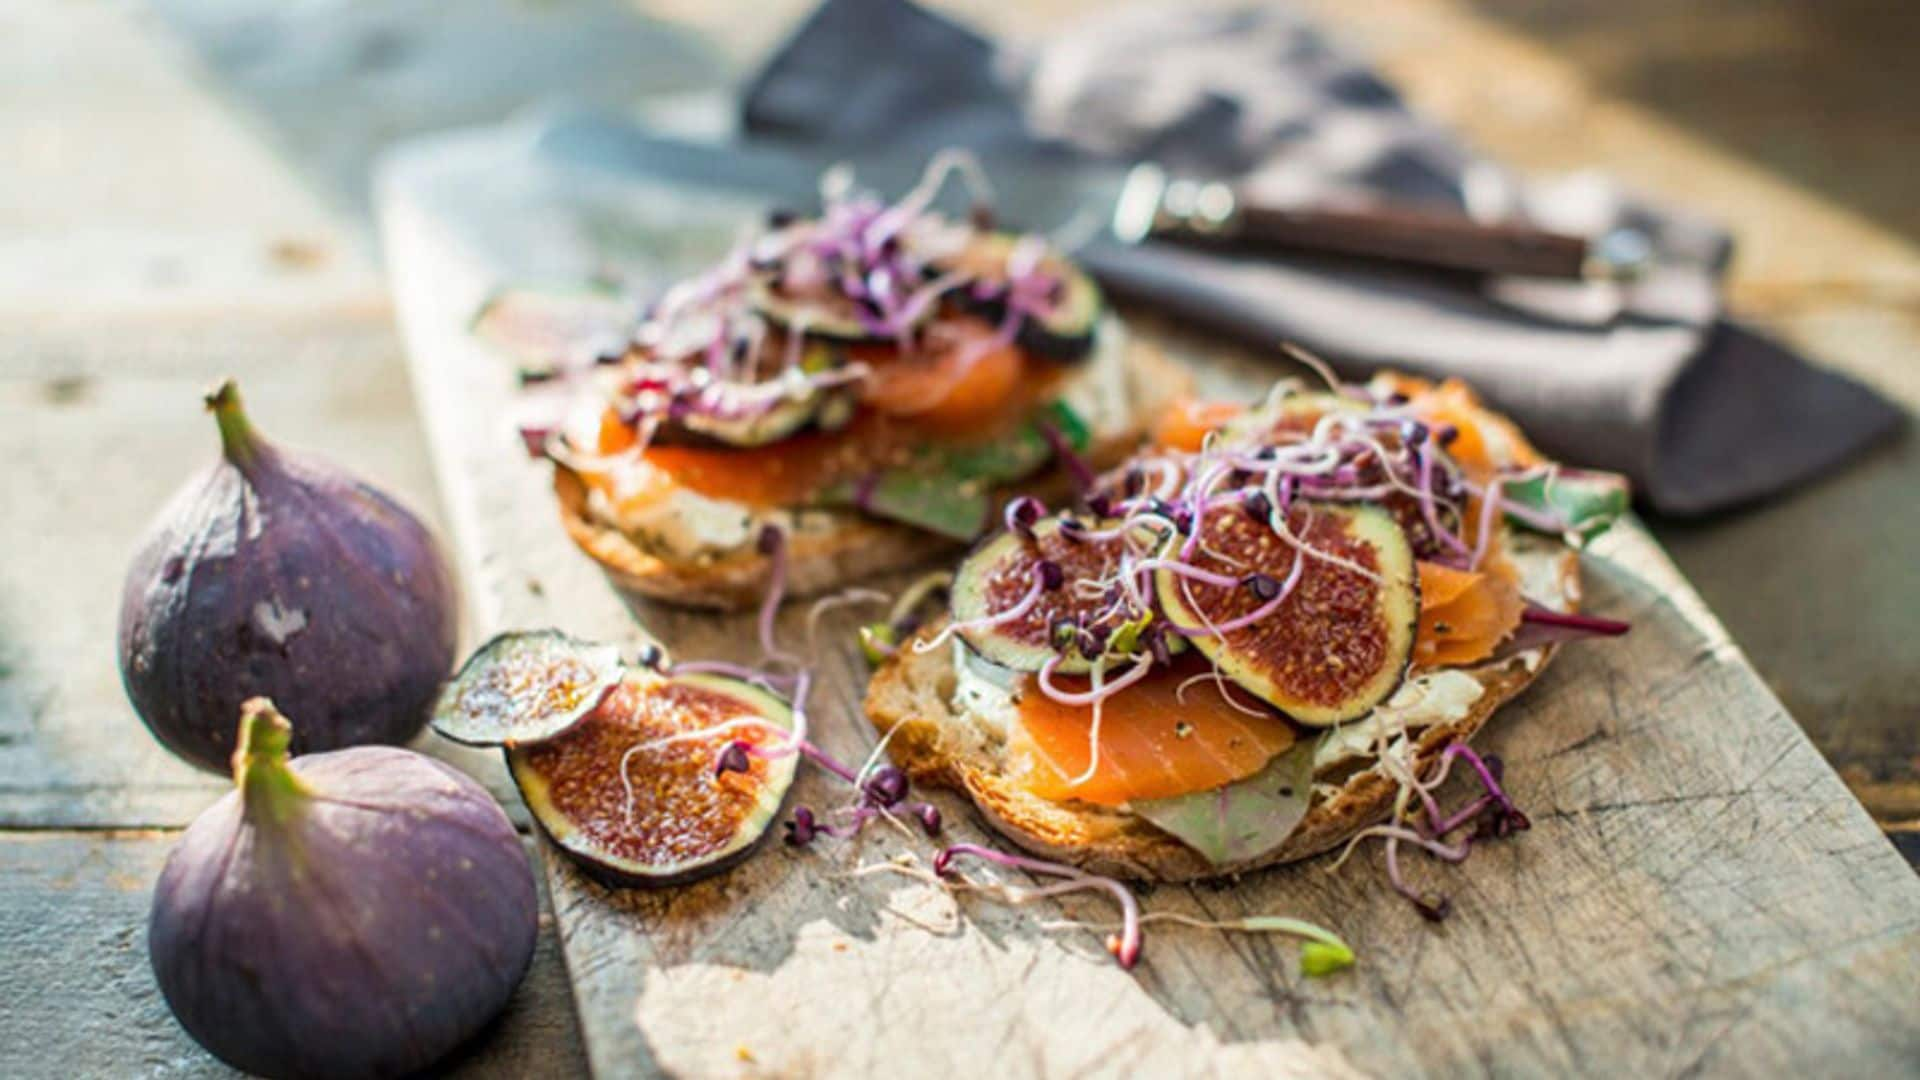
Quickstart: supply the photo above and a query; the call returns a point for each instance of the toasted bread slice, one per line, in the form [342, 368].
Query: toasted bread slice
[831, 548]
[912, 697]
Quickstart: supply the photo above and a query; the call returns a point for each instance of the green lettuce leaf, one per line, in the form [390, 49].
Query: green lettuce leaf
[1585, 503]
[949, 490]
[1244, 819]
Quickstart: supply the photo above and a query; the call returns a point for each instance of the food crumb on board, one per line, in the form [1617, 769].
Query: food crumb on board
[743, 1054]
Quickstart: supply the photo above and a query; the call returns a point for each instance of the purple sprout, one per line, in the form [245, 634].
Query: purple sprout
[886, 788]
[1022, 513]
[1262, 586]
[733, 758]
[928, 816]
[1125, 945]
[802, 828]
[1052, 577]
[1258, 506]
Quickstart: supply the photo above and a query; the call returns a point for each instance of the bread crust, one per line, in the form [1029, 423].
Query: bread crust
[839, 546]
[910, 697]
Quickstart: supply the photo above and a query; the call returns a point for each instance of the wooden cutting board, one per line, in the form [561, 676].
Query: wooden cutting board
[1699, 892]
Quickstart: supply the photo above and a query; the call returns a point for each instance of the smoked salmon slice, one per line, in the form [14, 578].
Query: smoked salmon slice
[783, 474]
[1185, 424]
[1155, 742]
[1465, 615]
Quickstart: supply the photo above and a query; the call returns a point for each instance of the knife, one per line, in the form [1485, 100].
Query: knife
[1152, 205]
[1139, 205]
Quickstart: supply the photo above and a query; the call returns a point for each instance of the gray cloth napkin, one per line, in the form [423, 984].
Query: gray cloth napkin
[1649, 380]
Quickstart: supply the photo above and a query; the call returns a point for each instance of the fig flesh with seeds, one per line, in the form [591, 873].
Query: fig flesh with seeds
[646, 791]
[1086, 613]
[1330, 647]
[525, 686]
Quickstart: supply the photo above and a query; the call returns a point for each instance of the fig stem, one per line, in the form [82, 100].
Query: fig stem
[237, 440]
[271, 792]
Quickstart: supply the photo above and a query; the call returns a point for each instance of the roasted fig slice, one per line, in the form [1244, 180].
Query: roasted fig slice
[544, 329]
[750, 424]
[523, 687]
[827, 316]
[1082, 610]
[1331, 647]
[632, 793]
[1073, 304]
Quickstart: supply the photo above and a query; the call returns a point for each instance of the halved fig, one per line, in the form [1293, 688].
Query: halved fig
[633, 808]
[545, 328]
[1087, 612]
[1066, 331]
[1339, 642]
[525, 686]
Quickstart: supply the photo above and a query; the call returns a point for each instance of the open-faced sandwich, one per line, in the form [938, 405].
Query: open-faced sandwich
[1255, 638]
[859, 386]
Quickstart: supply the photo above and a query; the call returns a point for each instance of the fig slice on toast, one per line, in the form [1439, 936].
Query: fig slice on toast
[1082, 610]
[525, 686]
[748, 424]
[635, 793]
[1331, 647]
[828, 315]
[1070, 322]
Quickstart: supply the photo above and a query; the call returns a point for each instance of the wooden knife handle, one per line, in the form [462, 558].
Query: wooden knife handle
[1412, 236]
[1151, 204]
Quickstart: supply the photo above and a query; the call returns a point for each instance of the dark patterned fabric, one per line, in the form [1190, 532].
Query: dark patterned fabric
[1650, 380]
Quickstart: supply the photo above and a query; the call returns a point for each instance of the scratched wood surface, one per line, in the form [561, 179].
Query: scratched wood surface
[1699, 890]
[73, 913]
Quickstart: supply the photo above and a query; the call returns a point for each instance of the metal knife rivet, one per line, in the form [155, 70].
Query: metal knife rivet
[1214, 207]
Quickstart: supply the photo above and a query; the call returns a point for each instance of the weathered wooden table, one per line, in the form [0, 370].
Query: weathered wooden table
[150, 239]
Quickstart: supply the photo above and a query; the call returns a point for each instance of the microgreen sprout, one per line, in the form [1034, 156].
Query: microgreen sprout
[877, 643]
[1124, 944]
[1492, 814]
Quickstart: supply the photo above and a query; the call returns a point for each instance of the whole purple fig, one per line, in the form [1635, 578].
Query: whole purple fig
[276, 574]
[354, 913]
